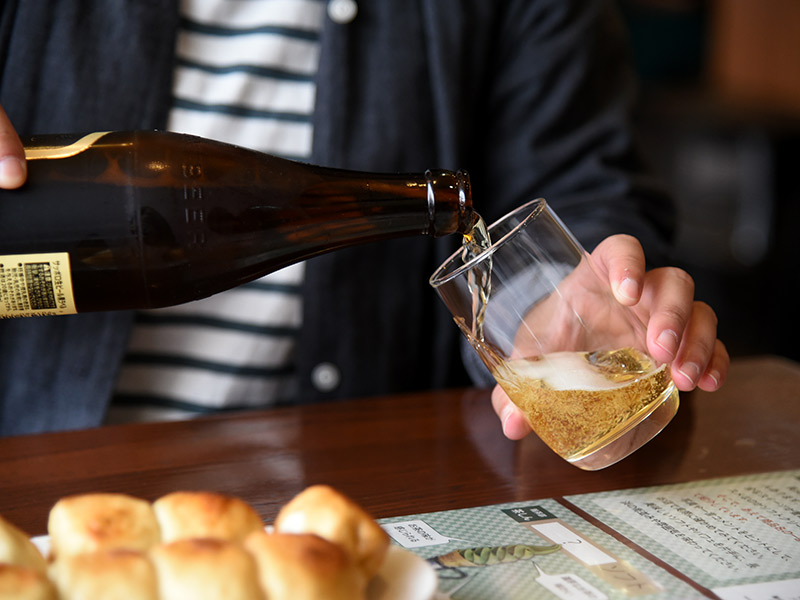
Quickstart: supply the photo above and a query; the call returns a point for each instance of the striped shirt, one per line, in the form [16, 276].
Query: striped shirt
[244, 75]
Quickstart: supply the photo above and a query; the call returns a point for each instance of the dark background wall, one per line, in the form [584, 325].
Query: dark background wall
[719, 121]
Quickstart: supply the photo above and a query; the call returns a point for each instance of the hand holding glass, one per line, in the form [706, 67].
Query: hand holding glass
[549, 328]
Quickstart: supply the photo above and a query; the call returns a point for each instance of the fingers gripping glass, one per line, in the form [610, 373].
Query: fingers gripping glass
[546, 324]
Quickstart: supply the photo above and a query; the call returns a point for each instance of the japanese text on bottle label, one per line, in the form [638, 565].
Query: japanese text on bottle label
[35, 285]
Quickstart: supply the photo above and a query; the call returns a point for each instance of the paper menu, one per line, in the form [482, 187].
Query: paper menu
[560, 554]
[733, 538]
[738, 537]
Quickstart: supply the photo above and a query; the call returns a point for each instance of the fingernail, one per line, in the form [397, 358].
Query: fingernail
[629, 288]
[12, 172]
[690, 370]
[511, 427]
[504, 418]
[715, 376]
[668, 340]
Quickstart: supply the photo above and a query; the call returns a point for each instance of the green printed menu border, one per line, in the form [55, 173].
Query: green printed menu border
[556, 574]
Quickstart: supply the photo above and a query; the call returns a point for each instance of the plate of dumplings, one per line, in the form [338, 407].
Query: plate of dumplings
[198, 545]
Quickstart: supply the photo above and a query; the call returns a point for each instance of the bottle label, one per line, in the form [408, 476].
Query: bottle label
[69, 148]
[33, 285]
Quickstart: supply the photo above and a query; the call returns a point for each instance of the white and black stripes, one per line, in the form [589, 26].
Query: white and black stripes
[244, 74]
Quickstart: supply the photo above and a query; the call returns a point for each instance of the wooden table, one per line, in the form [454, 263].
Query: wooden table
[399, 455]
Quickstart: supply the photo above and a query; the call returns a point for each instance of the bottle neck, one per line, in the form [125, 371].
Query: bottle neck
[449, 202]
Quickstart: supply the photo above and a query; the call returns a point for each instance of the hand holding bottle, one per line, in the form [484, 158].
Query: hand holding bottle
[13, 170]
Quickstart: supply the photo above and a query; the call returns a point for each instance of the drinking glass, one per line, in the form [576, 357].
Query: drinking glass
[547, 326]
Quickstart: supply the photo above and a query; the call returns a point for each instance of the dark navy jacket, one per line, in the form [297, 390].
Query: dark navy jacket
[530, 96]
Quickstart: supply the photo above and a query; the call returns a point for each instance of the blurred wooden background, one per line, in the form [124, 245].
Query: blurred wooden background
[719, 121]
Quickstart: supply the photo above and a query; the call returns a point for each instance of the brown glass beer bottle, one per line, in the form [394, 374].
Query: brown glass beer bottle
[124, 220]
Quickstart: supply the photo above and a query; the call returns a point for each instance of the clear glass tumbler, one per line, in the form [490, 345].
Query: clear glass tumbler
[547, 326]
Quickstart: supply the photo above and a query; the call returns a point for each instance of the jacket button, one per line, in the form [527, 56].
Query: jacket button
[325, 377]
[342, 11]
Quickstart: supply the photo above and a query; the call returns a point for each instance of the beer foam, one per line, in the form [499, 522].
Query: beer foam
[564, 371]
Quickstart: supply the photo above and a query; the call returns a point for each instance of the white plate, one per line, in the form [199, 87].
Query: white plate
[402, 576]
[42, 542]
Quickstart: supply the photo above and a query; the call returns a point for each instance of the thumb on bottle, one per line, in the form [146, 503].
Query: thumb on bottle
[13, 172]
[13, 169]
